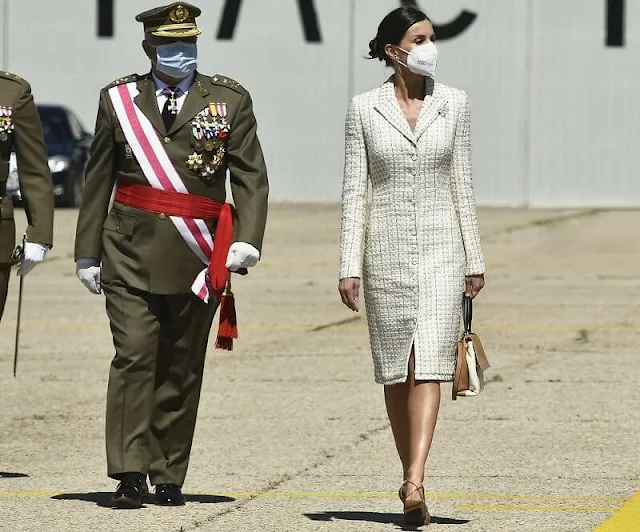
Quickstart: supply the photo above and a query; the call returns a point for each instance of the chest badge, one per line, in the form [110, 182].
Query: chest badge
[210, 130]
[6, 122]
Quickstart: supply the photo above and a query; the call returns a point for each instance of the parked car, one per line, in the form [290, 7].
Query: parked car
[68, 146]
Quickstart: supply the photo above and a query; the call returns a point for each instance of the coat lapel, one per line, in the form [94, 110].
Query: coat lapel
[193, 103]
[388, 107]
[432, 106]
[148, 103]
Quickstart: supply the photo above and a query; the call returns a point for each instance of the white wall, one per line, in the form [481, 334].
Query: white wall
[554, 110]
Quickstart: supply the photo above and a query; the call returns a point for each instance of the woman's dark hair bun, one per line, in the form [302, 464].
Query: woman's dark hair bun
[374, 53]
[392, 29]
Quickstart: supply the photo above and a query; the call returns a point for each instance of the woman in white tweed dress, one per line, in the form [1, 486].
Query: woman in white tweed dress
[409, 141]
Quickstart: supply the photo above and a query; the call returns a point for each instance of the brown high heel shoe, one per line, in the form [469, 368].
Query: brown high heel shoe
[401, 491]
[416, 513]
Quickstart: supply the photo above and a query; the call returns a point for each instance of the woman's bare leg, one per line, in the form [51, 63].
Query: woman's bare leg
[396, 397]
[423, 405]
[412, 408]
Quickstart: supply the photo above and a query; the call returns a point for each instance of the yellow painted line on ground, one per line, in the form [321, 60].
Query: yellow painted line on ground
[626, 519]
[29, 493]
[353, 495]
[530, 508]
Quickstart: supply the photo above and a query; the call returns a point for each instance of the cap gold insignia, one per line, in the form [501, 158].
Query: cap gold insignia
[179, 14]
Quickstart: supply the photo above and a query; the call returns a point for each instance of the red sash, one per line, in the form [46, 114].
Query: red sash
[173, 203]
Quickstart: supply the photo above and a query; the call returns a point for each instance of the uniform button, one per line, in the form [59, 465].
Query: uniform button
[167, 140]
[162, 216]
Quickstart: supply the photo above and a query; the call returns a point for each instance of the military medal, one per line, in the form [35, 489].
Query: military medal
[210, 129]
[195, 162]
[217, 158]
[208, 172]
[173, 105]
[171, 98]
[222, 109]
[6, 124]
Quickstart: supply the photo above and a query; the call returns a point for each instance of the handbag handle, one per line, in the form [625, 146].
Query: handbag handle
[467, 313]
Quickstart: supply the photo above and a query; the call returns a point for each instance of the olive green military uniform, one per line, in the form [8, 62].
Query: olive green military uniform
[21, 131]
[160, 329]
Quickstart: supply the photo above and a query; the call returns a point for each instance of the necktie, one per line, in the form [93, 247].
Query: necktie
[170, 109]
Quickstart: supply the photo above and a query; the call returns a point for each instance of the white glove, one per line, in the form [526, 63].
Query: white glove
[88, 272]
[242, 255]
[32, 255]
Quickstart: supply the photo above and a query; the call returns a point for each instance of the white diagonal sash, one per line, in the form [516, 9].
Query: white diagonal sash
[161, 174]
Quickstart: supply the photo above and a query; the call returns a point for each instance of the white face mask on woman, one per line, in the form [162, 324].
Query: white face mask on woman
[422, 60]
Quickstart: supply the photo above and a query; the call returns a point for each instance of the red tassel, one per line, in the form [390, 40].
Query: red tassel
[228, 327]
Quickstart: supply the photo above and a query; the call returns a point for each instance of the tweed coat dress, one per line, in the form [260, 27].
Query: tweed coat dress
[421, 234]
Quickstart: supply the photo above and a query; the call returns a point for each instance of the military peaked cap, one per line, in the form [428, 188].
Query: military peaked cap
[175, 20]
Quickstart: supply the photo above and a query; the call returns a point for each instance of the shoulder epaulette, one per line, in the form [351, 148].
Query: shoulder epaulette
[121, 81]
[12, 77]
[226, 81]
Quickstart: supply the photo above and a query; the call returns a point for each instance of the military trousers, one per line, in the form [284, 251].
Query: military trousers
[154, 380]
[7, 245]
[5, 274]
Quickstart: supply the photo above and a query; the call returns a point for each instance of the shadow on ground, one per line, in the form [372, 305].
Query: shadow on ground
[102, 498]
[4, 474]
[378, 517]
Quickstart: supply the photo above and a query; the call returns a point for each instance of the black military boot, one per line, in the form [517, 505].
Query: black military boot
[132, 491]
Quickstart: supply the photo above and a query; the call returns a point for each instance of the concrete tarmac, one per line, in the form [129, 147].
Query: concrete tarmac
[292, 434]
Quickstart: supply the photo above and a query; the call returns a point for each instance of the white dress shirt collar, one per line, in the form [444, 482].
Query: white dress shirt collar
[184, 85]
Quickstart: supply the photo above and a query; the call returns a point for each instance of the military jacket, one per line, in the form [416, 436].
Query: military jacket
[145, 250]
[21, 131]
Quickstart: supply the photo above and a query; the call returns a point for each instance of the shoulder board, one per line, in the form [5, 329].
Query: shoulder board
[13, 77]
[225, 81]
[121, 81]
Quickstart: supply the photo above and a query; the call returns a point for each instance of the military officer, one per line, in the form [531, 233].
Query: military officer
[21, 131]
[165, 141]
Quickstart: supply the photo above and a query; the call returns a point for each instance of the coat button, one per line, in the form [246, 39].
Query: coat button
[167, 140]
[162, 216]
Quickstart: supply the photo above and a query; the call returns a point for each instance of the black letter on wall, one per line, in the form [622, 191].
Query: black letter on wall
[105, 18]
[229, 19]
[451, 29]
[615, 22]
[308, 14]
[309, 21]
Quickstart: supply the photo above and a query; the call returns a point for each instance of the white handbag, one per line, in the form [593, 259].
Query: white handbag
[471, 362]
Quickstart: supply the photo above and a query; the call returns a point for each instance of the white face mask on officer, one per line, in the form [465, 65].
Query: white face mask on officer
[178, 59]
[422, 59]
